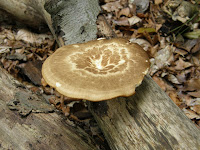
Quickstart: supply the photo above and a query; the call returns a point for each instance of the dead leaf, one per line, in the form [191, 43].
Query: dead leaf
[190, 114]
[32, 70]
[196, 108]
[195, 94]
[160, 82]
[173, 79]
[133, 20]
[17, 56]
[125, 12]
[181, 65]
[162, 57]
[123, 21]
[180, 52]
[143, 43]
[66, 110]
[4, 49]
[104, 27]
[196, 61]
[157, 2]
[189, 44]
[30, 37]
[112, 6]
[192, 84]
[173, 95]
[196, 48]
[181, 76]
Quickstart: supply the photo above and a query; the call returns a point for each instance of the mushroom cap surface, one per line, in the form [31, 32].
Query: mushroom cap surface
[97, 70]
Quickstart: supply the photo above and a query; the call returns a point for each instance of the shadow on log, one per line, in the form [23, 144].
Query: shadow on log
[147, 120]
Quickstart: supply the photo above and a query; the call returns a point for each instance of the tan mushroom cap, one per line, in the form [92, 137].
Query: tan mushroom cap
[97, 70]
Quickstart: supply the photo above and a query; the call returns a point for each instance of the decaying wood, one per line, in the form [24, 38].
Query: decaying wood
[38, 130]
[21, 10]
[147, 120]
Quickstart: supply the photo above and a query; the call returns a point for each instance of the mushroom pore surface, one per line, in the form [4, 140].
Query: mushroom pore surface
[96, 70]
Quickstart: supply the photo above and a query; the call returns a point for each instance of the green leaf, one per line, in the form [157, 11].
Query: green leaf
[193, 35]
[149, 30]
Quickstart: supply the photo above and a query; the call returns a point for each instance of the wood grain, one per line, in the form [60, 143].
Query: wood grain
[145, 121]
[37, 130]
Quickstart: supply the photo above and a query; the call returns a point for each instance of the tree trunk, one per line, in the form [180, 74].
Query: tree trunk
[43, 131]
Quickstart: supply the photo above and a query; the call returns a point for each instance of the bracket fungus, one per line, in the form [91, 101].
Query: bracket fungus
[97, 70]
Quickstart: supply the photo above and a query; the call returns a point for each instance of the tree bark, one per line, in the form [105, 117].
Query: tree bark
[147, 120]
[23, 11]
[38, 130]
[73, 21]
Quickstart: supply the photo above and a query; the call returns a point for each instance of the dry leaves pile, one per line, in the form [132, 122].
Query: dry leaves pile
[20, 48]
[175, 60]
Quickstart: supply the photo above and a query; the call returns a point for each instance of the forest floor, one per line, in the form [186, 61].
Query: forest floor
[168, 31]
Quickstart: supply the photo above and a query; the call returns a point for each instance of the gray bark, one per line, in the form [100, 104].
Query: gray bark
[145, 121]
[74, 21]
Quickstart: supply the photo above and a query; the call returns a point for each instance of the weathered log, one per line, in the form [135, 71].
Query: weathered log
[147, 120]
[37, 130]
[23, 11]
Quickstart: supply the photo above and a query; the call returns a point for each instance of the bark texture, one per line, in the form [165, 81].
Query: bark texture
[74, 21]
[23, 11]
[37, 130]
[145, 121]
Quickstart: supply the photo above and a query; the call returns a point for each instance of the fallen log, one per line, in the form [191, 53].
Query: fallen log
[21, 10]
[37, 130]
[147, 120]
